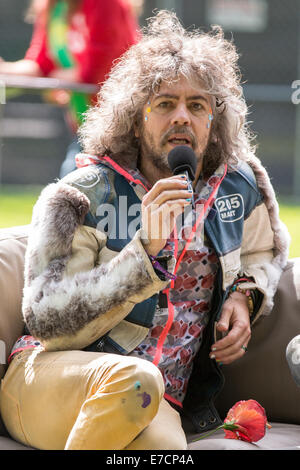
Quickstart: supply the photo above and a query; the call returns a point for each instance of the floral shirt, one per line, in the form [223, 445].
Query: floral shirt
[191, 297]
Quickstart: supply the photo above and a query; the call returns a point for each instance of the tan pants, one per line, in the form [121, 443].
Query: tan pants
[85, 400]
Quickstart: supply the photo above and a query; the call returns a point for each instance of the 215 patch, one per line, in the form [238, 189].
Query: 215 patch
[230, 208]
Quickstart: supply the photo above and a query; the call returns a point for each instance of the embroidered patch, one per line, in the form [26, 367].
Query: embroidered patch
[230, 208]
[89, 180]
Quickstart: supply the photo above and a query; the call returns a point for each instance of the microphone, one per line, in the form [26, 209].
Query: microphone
[182, 161]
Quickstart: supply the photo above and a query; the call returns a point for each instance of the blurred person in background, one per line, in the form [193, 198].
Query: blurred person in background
[76, 41]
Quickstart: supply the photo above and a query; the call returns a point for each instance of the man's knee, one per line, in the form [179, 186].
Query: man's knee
[149, 374]
[132, 377]
[146, 382]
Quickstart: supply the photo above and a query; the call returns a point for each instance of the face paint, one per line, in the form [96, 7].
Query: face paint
[148, 110]
[210, 118]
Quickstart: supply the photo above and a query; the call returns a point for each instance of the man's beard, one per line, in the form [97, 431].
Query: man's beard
[150, 154]
[158, 157]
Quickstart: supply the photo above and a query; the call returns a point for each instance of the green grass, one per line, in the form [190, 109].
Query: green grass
[16, 204]
[290, 215]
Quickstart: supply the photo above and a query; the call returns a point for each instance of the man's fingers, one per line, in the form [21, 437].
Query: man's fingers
[239, 330]
[230, 348]
[172, 183]
[159, 221]
[223, 323]
[171, 195]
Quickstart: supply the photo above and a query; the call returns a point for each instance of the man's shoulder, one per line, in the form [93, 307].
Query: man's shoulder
[244, 173]
[89, 176]
[81, 191]
[240, 188]
[95, 181]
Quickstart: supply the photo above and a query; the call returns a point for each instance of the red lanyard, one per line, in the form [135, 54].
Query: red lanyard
[168, 325]
[123, 172]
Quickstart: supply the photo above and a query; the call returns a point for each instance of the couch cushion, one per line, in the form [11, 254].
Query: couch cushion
[12, 249]
[279, 437]
[6, 443]
[263, 373]
[13, 243]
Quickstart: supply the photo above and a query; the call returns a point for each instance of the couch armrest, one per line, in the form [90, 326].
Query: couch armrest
[13, 243]
[263, 372]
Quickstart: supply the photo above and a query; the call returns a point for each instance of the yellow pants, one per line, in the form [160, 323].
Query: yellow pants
[85, 400]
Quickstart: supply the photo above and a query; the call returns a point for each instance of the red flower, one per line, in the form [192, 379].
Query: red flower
[246, 421]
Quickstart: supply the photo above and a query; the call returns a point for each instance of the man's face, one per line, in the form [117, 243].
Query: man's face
[178, 114]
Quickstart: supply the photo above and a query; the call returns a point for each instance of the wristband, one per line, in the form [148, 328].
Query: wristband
[250, 294]
[157, 266]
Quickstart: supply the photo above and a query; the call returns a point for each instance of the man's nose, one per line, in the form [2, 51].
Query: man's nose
[181, 115]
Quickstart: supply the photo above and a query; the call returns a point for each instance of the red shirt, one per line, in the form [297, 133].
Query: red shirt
[100, 31]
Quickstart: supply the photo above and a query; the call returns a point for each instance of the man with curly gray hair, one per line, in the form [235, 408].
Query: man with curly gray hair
[129, 318]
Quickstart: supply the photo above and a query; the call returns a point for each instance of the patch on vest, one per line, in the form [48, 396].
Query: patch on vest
[230, 208]
[89, 180]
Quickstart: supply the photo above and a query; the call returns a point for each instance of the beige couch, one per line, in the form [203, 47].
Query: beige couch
[262, 374]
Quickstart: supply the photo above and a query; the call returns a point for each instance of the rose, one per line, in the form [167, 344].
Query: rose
[246, 421]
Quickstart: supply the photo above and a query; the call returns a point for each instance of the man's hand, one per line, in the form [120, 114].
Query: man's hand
[69, 75]
[160, 207]
[20, 67]
[236, 321]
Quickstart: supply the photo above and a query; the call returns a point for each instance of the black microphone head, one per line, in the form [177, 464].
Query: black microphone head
[182, 158]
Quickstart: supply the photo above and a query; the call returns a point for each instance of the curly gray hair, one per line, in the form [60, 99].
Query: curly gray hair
[166, 52]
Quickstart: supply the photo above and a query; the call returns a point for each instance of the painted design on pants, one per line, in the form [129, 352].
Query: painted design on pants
[137, 385]
[146, 399]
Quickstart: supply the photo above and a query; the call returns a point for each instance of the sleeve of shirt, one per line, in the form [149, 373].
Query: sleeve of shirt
[260, 254]
[38, 50]
[74, 290]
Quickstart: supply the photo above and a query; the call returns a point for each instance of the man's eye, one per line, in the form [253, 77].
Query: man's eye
[196, 106]
[165, 104]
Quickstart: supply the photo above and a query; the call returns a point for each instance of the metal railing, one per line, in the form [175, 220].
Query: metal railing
[44, 83]
[253, 92]
[25, 84]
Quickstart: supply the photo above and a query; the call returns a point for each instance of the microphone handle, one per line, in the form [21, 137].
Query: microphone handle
[190, 186]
